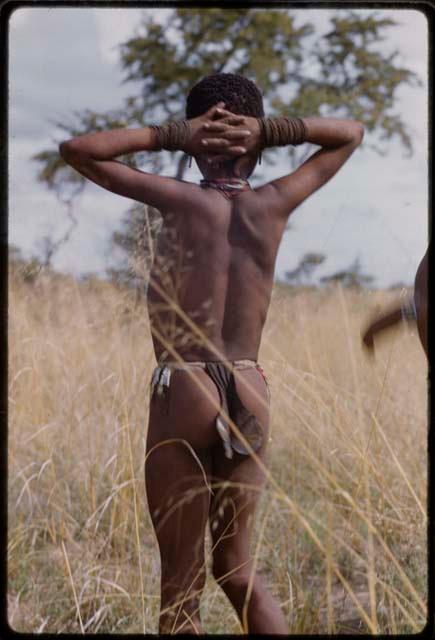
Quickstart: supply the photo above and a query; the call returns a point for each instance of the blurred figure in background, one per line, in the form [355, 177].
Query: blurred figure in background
[413, 309]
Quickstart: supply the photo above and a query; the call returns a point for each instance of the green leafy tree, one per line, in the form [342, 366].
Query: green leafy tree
[300, 71]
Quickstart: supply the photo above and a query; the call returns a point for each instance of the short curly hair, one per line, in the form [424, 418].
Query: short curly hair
[241, 96]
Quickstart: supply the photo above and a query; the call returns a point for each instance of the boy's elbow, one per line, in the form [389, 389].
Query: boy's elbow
[358, 134]
[69, 151]
[65, 149]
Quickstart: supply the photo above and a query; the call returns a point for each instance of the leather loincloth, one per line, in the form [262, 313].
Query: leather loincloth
[230, 404]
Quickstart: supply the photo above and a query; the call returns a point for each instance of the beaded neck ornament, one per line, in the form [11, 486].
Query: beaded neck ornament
[229, 187]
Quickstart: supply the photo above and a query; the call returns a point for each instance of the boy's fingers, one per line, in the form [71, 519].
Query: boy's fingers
[215, 127]
[215, 144]
[234, 120]
[220, 144]
[215, 109]
[237, 151]
[224, 113]
[236, 134]
[230, 133]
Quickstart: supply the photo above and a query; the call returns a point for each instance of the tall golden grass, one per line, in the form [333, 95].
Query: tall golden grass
[341, 527]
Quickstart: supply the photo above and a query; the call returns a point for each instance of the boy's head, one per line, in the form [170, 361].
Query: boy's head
[240, 95]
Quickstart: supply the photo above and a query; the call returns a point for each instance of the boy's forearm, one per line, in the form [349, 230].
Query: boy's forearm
[106, 145]
[332, 132]
[326, 132]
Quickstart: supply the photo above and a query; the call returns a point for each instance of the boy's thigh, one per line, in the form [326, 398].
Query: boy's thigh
[237, 486]
[178, 493]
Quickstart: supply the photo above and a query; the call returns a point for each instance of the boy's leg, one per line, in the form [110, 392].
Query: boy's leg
[231, 518]
[178, 497]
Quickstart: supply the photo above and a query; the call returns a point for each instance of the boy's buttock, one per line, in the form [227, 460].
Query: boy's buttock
[194, 404]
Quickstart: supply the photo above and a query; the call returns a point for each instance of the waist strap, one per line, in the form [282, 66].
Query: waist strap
[230, 364]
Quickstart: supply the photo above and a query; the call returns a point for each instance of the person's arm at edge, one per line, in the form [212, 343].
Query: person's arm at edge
[385, 321]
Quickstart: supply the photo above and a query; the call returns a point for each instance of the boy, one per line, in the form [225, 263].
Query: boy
[208, 297]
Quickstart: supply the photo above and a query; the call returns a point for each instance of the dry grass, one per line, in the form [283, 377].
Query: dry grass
[341, 528]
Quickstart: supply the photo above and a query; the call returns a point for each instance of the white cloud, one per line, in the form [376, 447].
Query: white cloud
[115, 25]
[65, 74]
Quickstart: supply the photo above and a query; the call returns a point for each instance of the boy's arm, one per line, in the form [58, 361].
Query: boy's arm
[338, 139]
[93, 155]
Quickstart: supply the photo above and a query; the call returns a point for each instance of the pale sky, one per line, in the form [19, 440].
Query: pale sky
[64, 59]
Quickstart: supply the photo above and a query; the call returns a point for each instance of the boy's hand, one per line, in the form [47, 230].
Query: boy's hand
[224, 131]
[206, 137]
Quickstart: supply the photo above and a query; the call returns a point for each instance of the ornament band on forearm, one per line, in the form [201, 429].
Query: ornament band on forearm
[172, 135]
[277, 132]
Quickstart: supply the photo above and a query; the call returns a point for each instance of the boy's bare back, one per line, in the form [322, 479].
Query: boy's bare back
[221, 257]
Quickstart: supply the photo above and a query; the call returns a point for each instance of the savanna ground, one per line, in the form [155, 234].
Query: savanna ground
[341, 528]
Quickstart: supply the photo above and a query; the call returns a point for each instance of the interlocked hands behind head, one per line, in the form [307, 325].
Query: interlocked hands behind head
[222, 135]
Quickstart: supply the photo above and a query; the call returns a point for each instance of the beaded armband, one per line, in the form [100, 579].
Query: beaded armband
[277, 132]
[172, 136]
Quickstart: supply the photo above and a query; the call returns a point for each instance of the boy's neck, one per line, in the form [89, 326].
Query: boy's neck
[217, 173]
